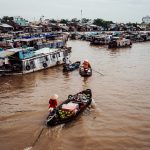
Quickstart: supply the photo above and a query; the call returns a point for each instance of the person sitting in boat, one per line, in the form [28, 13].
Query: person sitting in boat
[86, 64]
[67, 62]
[53, 102]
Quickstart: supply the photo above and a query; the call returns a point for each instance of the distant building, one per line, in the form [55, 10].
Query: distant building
[146, 19]
[21, 21]
[46, 21]
[5, 27]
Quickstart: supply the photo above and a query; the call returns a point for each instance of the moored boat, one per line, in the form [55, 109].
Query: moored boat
[117, 42]
[100, 39]
[27, 60]
[70, 109]
[71, 67]
[85, 72]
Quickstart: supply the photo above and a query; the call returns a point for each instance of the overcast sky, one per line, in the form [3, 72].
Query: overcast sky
[115, 10]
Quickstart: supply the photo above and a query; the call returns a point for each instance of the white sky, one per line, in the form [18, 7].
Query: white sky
[115, 10]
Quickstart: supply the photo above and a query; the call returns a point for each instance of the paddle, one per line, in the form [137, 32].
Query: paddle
[51, 118]
[98, 72]
[38, 137]
[41, 131]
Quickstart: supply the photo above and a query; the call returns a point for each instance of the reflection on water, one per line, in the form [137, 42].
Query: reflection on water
[120, 85]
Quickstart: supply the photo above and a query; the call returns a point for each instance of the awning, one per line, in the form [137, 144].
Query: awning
[5, 25]
[5, 54]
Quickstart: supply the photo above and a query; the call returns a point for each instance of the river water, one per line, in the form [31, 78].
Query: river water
[120, 121]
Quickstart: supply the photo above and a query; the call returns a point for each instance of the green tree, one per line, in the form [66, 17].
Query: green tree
[53, 21]
[98, 22]
[65, 21]
[148, 27]
[85, 20]
[6, 19]
[103, 23]
[75, 20]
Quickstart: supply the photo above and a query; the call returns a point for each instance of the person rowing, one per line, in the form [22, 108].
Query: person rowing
[53, 102]
[86, 64]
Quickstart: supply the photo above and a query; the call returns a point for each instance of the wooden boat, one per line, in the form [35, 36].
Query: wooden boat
[70, 109]
[85, 72]
[99, 40]
[117, 42]
[73, 66]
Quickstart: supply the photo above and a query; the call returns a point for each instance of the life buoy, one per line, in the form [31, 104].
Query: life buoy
[28, 67]
[64, 60]
[44, 65]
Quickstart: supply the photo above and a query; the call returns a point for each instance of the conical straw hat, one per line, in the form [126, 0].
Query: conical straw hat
[55, 96]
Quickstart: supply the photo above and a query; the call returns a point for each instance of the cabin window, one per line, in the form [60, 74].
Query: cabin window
[32, 64]
[46, 58]
[24, 65]
[42, 59]
[53, 56]
[27, 62]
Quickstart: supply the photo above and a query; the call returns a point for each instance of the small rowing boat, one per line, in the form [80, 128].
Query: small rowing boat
[71, 67]
[70, 109]
[85, 72]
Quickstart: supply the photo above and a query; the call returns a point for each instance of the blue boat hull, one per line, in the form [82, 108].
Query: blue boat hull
[71, 67]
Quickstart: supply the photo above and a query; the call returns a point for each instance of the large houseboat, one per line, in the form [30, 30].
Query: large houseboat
[100, 40]
[26, 60]
[118, 42]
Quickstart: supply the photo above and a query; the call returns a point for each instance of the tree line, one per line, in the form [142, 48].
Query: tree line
[98, 22]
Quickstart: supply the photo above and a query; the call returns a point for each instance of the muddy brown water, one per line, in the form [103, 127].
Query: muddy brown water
[120, 121]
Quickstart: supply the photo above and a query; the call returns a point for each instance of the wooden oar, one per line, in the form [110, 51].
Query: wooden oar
[98, 72]
[51, 118]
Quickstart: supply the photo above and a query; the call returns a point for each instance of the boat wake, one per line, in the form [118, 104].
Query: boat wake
[27, 148]
[93, 104]
[55, 132]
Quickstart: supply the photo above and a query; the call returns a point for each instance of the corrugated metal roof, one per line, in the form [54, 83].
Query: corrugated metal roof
[5, 25]
[4, 54]
[12, 51]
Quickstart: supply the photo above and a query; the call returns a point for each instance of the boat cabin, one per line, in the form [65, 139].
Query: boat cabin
[118, 42]
[26, 60]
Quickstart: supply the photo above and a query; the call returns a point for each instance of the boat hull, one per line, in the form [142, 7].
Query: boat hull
[85, 73]
[71, 67]
[36, 63]
[54, 118]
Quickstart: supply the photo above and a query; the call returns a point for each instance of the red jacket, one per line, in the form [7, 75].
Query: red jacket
[52, 103]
